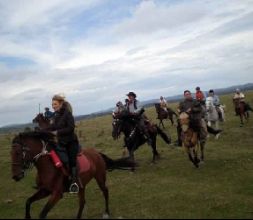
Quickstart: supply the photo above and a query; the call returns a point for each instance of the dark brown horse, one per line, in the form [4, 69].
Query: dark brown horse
[162, 114]
[30, 148]
[128, 125]
[240, 109]
[42, 121]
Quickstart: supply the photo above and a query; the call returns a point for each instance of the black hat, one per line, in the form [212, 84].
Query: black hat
[211, 91]
[46, 108]
[131, 94]
[197, 88]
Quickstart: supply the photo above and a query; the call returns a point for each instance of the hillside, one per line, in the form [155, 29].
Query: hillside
[148, 103]
[171, 188]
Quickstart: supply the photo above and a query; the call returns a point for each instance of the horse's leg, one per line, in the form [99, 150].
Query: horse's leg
[241, 118]
[190, 155]
[101, 181]
[81, 196]
[131, 154]
[35, 197]
[162, 124]
[196, 159]
[55, 197]
[202, 147]
[154, 150]
[172, 122]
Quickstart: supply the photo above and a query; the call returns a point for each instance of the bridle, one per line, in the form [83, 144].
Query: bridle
[28, 164]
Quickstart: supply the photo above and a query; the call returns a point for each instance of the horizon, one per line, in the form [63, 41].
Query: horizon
[144, 101]
[96, 51]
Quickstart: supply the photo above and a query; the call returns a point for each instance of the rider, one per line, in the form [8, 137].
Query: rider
[194, 108]
[63, 126]
[133, 106]
[48, 114]
[200, 96]
[163, 104]
[239, 97]
[216, 102]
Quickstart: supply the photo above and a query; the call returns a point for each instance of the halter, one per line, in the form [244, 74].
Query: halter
[29, 163]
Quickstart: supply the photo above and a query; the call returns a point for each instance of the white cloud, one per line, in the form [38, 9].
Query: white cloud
[153, 50]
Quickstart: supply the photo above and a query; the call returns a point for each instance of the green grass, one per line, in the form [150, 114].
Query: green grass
[221, 188]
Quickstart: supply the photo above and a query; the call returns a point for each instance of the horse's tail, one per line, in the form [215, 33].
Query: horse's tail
[213, 131]
[121, 164]
[163, 135]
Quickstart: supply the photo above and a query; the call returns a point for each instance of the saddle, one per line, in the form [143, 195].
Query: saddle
[60, 157]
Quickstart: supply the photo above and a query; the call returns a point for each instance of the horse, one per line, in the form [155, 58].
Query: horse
[134, 138]
[240, 109]
[190, 140]
[30, 148]
[212, 114]
[42, 121]
[162, 114]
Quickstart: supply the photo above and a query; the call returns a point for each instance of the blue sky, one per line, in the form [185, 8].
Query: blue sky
[95, 51]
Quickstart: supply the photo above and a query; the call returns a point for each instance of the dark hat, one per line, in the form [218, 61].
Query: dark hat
[46, 108]
[211, 91]
[131, 94]
[197, 88]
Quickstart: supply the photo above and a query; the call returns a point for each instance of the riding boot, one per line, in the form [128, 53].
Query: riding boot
[74, 188]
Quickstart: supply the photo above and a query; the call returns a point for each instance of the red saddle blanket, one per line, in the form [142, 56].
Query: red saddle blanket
[83, 163]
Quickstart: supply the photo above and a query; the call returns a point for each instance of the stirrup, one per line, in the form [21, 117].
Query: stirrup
[74, 188]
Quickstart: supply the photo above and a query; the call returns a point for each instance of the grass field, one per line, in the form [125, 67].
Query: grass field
[221, 188]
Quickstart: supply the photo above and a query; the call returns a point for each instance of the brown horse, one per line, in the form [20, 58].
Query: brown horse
[42, 121]
[190, 139]
[30, 148]
[240, 109]
[162, 114]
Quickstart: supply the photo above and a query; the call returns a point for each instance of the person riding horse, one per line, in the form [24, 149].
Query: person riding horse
[134, 108]
[216, 103]
[200, 96]
[63, 126]
[197, 121]
[239, 98]
[164, 104]
[48, 114]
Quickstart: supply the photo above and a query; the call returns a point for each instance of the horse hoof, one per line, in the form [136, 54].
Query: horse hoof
[217, 136]
[106, 216]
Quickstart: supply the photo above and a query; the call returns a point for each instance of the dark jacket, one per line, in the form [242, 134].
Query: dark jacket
[196, 109]
[64, 124]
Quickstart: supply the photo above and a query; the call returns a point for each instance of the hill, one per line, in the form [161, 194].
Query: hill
[148, 103]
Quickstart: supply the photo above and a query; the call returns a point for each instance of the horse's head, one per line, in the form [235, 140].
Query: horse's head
[25, 150]
[184, 120]
[41, 120]
[39, 117]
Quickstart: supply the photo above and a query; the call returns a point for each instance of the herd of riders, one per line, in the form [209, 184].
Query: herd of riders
[62, 123]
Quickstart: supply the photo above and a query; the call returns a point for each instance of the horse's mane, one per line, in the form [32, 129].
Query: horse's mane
[42, 135]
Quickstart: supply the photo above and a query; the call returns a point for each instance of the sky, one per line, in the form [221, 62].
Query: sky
[96, 51]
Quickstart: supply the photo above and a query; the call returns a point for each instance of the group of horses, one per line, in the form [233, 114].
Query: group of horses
[30, 148]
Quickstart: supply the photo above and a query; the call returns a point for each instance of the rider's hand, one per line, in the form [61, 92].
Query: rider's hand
[188, 110]
[54, 133]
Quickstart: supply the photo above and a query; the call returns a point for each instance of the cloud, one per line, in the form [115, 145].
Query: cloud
[97, 51]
